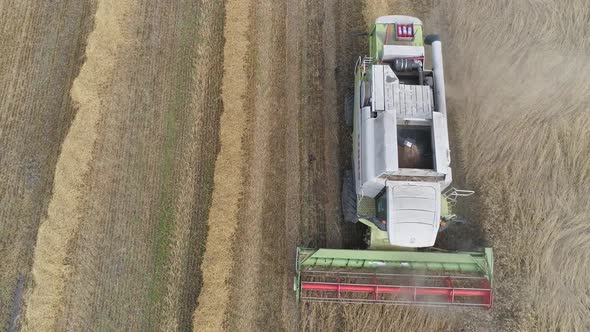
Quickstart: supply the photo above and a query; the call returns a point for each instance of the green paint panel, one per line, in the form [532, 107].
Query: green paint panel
[377, 39]
[418, 39]
[445, 208]
[480, 262]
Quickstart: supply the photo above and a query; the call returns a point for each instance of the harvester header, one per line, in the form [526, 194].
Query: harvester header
[395, 277]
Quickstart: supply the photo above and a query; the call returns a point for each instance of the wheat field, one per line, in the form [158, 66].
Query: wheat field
[520, 100]
[101, 207]
[161, 161]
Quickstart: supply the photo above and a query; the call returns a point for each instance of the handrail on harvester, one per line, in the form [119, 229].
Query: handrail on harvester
[395, 277]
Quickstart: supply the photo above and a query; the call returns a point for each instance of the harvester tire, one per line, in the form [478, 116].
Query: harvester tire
[348, 198]
[348, 109]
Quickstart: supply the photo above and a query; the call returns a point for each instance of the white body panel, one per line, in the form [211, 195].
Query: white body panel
[442, 157]
[378, 135]
[414, 208]
[398, 105]
[391, 52]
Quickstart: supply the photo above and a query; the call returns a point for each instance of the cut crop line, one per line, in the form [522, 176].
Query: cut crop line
[50, 269]
[223, 216]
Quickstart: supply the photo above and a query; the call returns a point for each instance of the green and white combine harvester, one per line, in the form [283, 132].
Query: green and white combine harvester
[400, 187]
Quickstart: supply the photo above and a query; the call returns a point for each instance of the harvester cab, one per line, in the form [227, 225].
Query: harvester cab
[399, 187]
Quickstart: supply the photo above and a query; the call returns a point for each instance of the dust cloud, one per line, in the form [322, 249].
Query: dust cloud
[519, 98]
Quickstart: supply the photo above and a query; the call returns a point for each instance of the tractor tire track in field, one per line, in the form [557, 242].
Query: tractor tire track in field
[329, 176]
[293, 202]
[312, 128]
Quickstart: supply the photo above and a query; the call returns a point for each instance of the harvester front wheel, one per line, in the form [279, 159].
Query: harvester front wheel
[348, 198]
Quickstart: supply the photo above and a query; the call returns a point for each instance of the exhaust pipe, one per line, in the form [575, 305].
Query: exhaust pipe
[439, 72]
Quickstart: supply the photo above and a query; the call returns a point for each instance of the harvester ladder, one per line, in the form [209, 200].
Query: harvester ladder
[363, 62]
[453, 194]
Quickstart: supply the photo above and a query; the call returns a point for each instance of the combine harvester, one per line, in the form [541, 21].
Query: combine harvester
[400, 187]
